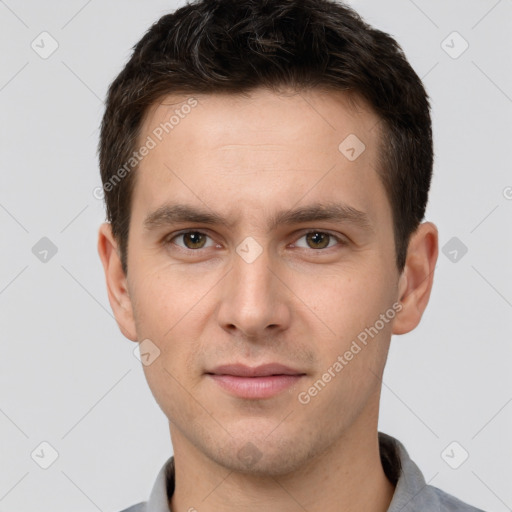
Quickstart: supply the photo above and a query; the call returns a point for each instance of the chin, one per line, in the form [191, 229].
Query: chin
[261, 457]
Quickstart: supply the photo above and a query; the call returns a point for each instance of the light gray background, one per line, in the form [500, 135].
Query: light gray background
[68, 376]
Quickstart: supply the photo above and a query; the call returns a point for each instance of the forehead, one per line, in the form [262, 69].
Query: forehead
[264, 145]
[298, 112]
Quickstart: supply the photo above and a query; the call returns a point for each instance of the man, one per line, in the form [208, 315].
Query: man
[266, 167]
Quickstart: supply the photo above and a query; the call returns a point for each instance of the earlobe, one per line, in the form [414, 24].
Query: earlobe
[116, 282]
[417, 278]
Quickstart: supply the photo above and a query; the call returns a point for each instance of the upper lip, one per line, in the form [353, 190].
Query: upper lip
[264, 370]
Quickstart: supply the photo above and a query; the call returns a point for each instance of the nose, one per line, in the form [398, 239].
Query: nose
[255, 299]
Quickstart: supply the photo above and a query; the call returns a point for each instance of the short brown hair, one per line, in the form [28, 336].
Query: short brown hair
[235, 46]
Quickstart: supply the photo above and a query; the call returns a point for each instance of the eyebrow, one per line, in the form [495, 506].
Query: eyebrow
[169, 214]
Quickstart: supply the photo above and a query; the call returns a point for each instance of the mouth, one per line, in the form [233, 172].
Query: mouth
[258, 382]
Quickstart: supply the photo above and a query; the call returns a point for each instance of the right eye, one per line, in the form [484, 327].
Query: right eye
[192, 240]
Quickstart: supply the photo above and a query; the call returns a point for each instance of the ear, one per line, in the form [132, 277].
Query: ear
[117, 289]
[415, 283]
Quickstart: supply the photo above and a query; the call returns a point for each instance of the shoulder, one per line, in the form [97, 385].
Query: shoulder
[429, 499]
[412, 493]
[449, 503]
[138, 507]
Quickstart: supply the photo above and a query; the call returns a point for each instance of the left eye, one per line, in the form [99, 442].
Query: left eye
[319, 240]
[193, 240]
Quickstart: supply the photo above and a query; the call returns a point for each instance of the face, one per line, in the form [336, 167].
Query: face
[256, 239]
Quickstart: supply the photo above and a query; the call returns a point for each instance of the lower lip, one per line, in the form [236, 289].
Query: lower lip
[255, 387]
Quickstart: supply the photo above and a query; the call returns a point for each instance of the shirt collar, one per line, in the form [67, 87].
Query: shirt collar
[398, 467]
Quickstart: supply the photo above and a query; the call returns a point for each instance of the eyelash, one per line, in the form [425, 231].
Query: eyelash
[168, 240]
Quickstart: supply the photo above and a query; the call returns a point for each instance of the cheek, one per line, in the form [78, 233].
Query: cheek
[344, 301]
[168, 314]
[351, 328]
[164, 299]
[167, 388]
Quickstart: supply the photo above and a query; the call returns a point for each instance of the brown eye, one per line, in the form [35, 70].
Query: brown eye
[318, 240]
[191, 240]
[194, 240]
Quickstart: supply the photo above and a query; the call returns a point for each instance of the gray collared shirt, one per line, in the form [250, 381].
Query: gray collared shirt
[412, 494]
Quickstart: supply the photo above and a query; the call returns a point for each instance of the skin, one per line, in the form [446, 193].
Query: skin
[298, 303]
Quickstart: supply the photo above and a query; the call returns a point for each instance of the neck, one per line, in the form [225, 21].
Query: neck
[346, 477]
